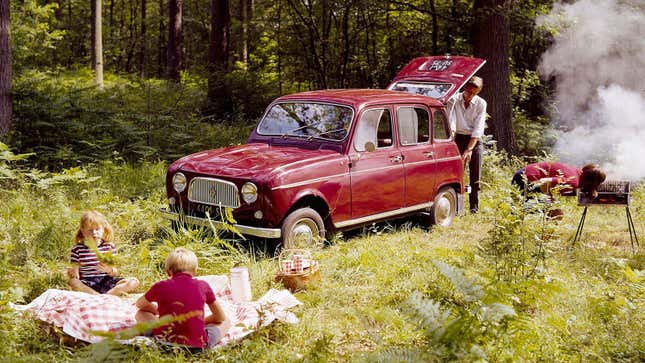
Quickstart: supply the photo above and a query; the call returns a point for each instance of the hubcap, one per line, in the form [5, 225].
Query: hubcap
[305, 233]
[444, 209]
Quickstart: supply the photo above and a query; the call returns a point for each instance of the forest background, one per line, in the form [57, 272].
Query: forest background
[171, 64]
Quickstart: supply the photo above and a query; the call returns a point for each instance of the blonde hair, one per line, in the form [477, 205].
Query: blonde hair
[91, 219]
[181, 260]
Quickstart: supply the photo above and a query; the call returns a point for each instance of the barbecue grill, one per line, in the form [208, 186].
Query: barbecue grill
[611, 192]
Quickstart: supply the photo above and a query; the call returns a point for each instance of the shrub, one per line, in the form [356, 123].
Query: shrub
[68, 122]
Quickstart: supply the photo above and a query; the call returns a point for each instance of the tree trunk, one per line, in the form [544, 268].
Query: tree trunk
[323, 38]
[93, 33]
[161, 44]
[435, 27]
[111, 16]
[5, 66]
[391, 66]
[142, 48]
[132, 38]
[244, 12]
[175, 54]
[450, 27]
[279, 48]
[58, 14]
[97, 43]
[346, 45]
[219, 98]
[491, 41]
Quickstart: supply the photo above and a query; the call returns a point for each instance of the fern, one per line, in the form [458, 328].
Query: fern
[429, 316]
[7, 157]
[468, 288]
[495, 312]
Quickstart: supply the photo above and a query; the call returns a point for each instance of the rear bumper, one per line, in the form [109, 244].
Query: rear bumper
[247, 230]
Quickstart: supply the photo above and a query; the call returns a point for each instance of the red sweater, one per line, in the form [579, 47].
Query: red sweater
[560, 174]
[179, 295]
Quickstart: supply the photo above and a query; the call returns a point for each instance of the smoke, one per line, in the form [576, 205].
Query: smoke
[598, 61]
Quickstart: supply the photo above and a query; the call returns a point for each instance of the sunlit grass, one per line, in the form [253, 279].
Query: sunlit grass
[583, 306]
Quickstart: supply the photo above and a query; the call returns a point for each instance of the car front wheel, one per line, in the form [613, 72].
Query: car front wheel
[303, 228]
[444, 209]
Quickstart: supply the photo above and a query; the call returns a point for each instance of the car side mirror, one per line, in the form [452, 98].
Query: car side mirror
[369, 146]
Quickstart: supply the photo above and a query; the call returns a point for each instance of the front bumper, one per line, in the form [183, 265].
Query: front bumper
[248, 230]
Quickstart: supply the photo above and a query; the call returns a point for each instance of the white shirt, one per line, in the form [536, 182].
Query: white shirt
[467, 121]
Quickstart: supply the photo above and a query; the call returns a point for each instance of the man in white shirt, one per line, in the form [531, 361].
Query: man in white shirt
[467, 121]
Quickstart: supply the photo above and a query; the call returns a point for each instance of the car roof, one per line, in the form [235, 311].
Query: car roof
[359, 98]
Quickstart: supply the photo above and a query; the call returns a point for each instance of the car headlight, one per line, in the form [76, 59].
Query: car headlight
[249, 192]
[179, 182]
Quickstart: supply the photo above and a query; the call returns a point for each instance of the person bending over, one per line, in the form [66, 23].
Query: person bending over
[546, 176]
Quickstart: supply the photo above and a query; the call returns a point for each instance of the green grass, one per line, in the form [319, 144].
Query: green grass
[582, 304]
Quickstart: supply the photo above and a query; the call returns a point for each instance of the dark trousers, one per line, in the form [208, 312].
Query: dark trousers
[519, 180]
[474, 168]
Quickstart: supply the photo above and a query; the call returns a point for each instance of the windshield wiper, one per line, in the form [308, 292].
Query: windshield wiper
[325, 132]
[298, 129]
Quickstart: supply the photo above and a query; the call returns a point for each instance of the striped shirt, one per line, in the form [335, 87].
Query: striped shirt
[86, 258]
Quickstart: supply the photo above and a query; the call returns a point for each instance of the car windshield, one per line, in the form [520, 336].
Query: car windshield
[307, 119]
[434, 90]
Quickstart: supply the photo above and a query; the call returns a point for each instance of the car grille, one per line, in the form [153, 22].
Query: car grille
[213, 192]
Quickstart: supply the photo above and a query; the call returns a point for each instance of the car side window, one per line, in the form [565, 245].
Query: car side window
[375, 126]
[414, 125]
[440, 126]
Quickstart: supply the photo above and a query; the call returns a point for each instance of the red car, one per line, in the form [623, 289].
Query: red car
[329, 160]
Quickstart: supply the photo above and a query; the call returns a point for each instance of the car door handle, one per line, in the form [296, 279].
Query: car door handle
[428, 154]
[397, 159]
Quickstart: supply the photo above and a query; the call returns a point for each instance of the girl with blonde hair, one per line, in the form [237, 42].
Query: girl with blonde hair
[88, 274]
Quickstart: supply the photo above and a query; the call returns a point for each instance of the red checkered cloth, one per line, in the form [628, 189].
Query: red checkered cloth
[78, 313]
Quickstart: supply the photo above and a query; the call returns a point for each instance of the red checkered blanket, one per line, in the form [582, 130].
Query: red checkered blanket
[78, 313]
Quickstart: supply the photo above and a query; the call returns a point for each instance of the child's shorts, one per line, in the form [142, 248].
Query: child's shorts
[101, 284]
[214, 336]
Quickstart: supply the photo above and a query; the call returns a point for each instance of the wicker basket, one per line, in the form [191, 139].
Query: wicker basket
[296, 280]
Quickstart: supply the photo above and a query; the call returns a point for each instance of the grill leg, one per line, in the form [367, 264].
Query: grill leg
[580, 226]
[632, 230]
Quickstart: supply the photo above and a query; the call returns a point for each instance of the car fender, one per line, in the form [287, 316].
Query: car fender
[303, 198]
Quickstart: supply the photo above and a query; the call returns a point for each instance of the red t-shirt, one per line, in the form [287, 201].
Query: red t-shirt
[560, 174]
[179, 295]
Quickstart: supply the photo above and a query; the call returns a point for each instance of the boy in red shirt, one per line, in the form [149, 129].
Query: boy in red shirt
[179, 295]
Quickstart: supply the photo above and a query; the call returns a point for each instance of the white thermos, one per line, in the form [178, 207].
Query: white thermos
[240, 284]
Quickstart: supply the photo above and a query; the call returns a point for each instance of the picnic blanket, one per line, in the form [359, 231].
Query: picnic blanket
[78, 313]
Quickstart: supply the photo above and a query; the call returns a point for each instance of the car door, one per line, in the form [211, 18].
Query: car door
[449, 166]
[377, 178]
[419, 164]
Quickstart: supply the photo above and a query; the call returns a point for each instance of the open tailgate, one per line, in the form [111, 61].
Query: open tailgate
[438, 77]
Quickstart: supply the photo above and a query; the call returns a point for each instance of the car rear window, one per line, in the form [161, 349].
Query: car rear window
[430, 89]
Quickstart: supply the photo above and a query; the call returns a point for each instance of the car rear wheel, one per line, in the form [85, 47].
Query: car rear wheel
[444, 209]
[303, 228]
